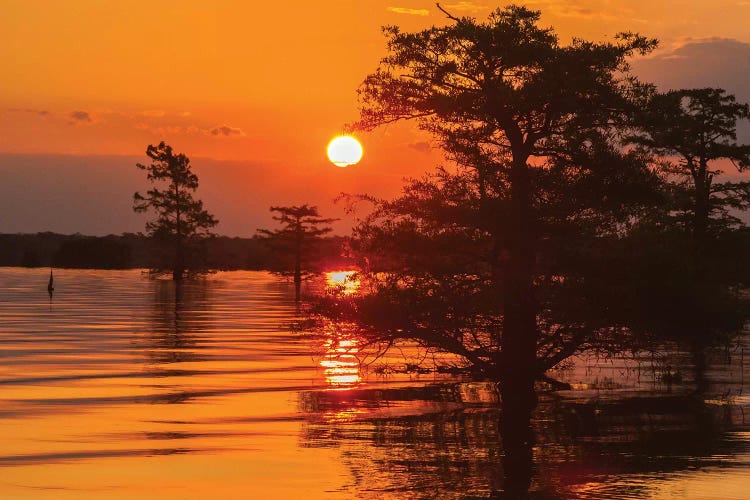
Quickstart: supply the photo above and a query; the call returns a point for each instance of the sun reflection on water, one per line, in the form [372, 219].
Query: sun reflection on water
[340, 363]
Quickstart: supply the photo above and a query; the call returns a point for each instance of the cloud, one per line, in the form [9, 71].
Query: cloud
[564, 9]
[226, 131]
[40, 112]
[171, 130]
[153, 113]
[412, 12]
[465, 6]
[696, 63]
[709, 62]
[184, 114]
[80, 117]
[421, 146]
[167, 129]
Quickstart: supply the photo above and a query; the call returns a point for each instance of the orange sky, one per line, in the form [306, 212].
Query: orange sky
[263, 85]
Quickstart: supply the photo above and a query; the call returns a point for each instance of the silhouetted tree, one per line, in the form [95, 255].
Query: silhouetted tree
[505, 99]
[690, 130]
[301, 228]
[29, 258]
[700, 244]
[533, 123]
[181, 221]
[93, 253]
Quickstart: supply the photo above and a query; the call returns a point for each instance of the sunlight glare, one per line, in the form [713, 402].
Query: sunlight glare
[344, 151]
[345, 282]
[340, 364]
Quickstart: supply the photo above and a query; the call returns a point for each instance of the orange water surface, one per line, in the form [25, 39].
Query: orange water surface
[122, 387]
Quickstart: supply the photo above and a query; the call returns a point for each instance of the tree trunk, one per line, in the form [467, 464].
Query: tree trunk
[700, 335]
[179, 258]
[519, 339]
[178, 270]
[698, 353]
[298, 264]
[700, 216]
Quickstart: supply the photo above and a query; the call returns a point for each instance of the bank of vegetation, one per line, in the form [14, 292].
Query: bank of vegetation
[136, 251]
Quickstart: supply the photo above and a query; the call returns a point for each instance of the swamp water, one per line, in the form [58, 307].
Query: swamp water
[118, 388]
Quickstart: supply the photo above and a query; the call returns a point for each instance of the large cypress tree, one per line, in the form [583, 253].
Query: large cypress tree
[501, 96]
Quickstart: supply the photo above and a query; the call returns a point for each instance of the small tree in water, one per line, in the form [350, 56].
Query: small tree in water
[695, 258]
[301, 227]
[181, 221]
[691, 130]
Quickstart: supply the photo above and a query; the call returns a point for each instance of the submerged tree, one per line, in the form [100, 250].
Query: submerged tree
[532, 123]
[301, 228]
[692, 130]
[181, 221]
[700, 245]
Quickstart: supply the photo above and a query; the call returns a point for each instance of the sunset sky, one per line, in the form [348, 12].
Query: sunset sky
[253, 91]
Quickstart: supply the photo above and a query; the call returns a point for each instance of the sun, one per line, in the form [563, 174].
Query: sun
[344, 151]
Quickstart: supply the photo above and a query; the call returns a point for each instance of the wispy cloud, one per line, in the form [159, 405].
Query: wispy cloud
[167, 129]
[153, 113]
[701, 62]
[563, 8]
[40, 112]
[226, 131]
[411, 12]
[465, 6]
[421, 146]
[80, 117]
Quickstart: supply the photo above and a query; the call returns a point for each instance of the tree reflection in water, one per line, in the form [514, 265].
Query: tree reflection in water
[444, 441]
[400, 438]
[180, 314]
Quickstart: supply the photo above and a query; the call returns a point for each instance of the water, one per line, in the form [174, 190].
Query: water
[118, 389]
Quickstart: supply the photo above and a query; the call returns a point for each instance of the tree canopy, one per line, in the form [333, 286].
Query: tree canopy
[689, 256]
[504, 86]
[691, 130]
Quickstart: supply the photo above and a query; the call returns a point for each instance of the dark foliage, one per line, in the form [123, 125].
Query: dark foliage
[107, 252]
[296, 243]
[93, 253]
[690, 131]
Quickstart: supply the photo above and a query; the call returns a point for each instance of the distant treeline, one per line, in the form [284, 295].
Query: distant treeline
[131, 251]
